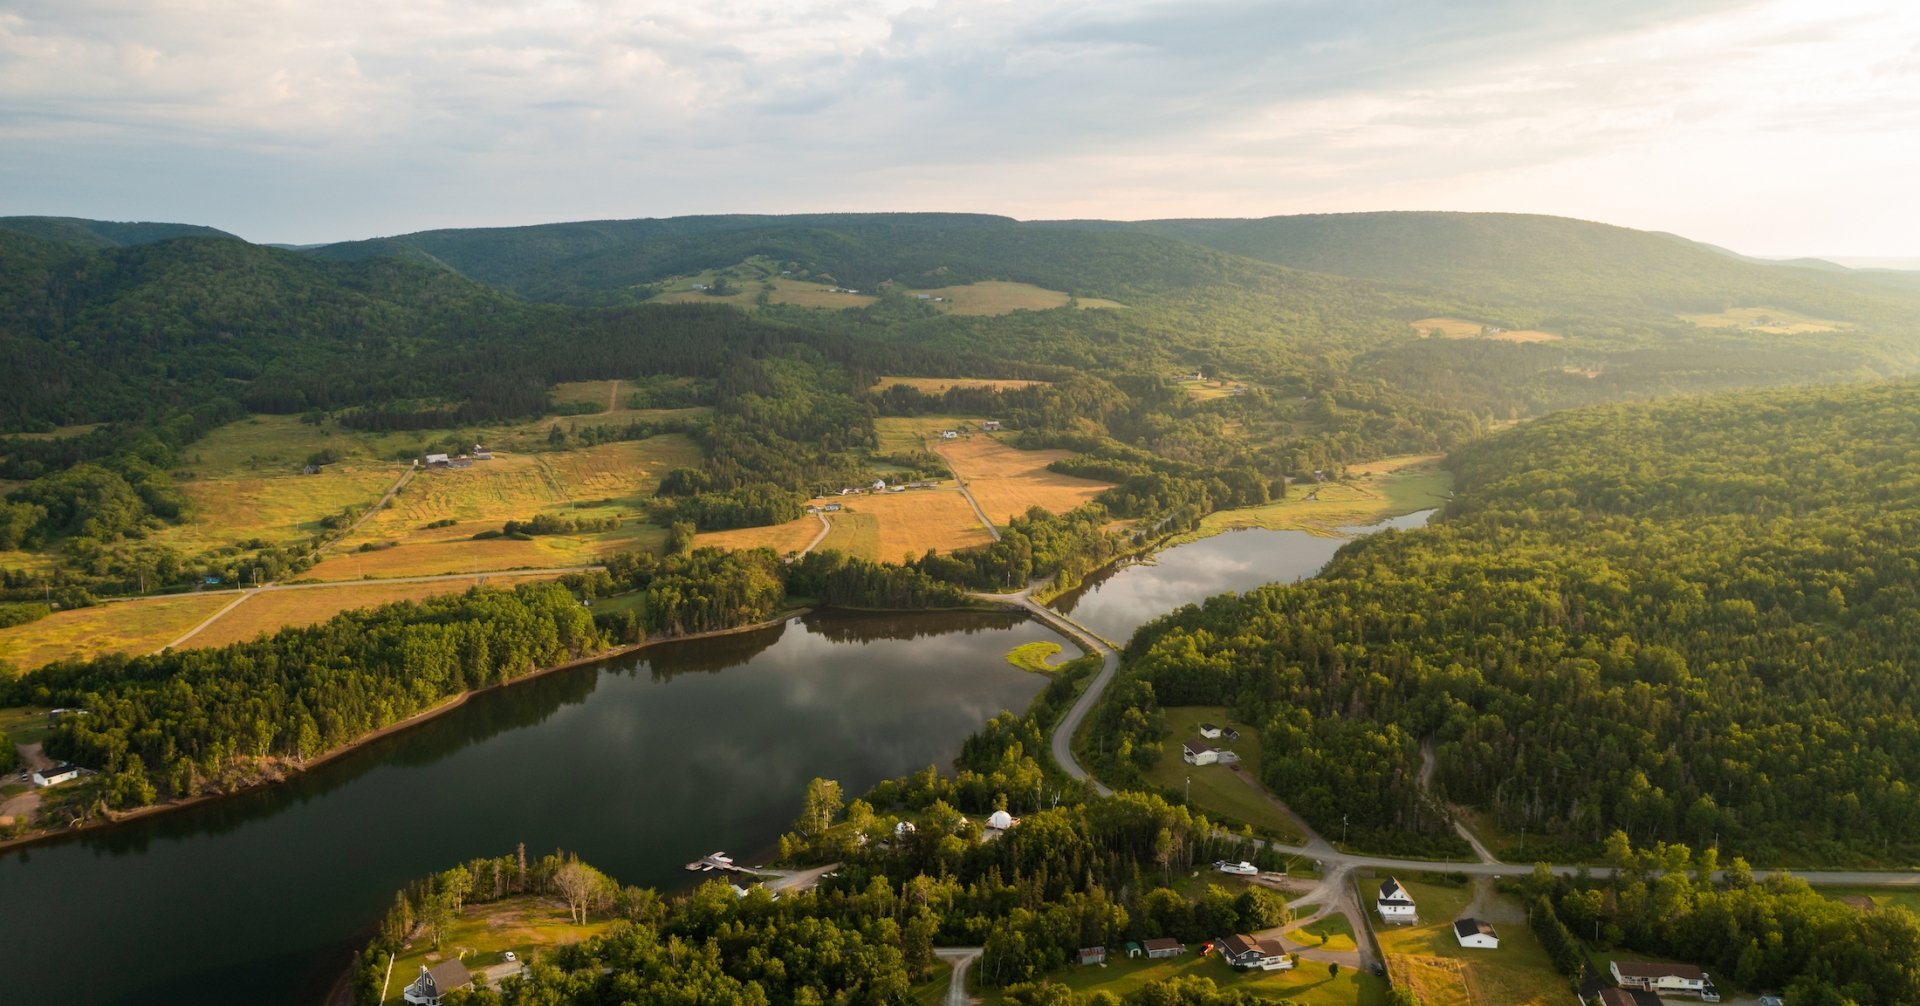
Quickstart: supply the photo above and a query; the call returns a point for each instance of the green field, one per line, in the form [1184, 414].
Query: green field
[1308, 984]
[1215, 789]
[528, 926]
[1333, 932]
[1443, 973]
[25, 724]
[1369, 494]
[1037, 656]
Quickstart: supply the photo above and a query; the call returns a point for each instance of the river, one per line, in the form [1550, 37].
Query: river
[638, 764]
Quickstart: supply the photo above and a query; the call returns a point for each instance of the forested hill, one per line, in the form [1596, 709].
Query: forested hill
[1692, 621]
[105, 233]
[1550, 264]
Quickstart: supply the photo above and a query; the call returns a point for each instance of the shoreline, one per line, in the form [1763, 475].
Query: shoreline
[434, 711]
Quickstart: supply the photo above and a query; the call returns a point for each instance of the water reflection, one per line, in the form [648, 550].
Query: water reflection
[638, 764]
[1129, 595]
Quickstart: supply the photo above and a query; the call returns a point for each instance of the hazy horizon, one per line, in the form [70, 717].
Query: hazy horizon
[1778, 128]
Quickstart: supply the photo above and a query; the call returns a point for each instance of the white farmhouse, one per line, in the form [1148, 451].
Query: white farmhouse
[1395, 904]
[1196, 753]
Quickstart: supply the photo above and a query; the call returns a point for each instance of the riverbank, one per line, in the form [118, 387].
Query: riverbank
[286, 772]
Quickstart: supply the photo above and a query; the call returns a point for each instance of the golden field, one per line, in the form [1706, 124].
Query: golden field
[433, 558]
[792, 536]
[141, 626]
[1006, 481]
[1772, 320]
[889, 527]
[1457, 328]
[271, 610]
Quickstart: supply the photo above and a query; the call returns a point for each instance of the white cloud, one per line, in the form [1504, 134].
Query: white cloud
[305, 120]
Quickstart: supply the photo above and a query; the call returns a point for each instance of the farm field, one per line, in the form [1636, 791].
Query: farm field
[272, 610]
[58, 433]
[1777, 321]
[1007, 481]
[888, 527]
[941, 385]
[1210, 390]
[1442, 973]
[782, 538]
[1308, 984]
[1371, 493]
[481, 934]
[752, 278]
[1458, 328]
[433, 558]
[1001, 297]
[141, 626]
[917, 433]
[611, 480]
[1216, 789]
[279, 508]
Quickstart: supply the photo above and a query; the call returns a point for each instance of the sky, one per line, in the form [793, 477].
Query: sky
[1773, 127]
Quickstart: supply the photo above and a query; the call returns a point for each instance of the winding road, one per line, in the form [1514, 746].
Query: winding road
[1088, 640]
[962, 958]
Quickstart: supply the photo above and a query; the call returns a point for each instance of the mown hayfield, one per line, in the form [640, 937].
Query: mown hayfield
[1774, 320]
[1459, 328]
[141, 626]
[270, 611]
[782, 538]
[604, 394]
[1001, 297]
[941, 385]
[891, 526]
[1207, 391]
[1007, 481]
[1217, 789]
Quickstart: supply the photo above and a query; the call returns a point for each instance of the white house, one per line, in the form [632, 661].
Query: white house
[1196, 753]
[1475, 933]
[436, 982]
[56, 775]
[990, 425]
[1243, 951]
[879, 485]
[438, 459]
[1665, 979]
[1209, 731]
[1395, 904]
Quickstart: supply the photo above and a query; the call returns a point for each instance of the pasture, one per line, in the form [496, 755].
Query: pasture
[752, 278]
[917, 433]
[1460, 328]
[1006, 481]
[1772, 320]
[1211, 390]
[941, 385]
[269, 611]
[434, 558]
[279, 508]
[1002, 297]
[139, 626]
[1431, 961]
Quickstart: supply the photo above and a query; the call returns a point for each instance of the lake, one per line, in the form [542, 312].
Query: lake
[638, 764]
[1126, 596]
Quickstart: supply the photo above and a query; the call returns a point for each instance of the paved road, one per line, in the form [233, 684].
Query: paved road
[962, 958]
[1109, 663]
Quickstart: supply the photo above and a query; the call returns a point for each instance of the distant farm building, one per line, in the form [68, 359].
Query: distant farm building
[56, 775]
[990, 425]
[437, 460]
[949, 434]
[1165, 947]
[1087, 955]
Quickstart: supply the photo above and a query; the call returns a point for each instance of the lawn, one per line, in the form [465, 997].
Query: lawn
[1217, 789]
[1773, 320]
[1369, 494]
[1443, 973]
[1007, 481]
[752, 278]
[889, 527]
[1000, 297]
[1307, 984]
[1459, 328]
[24, 724]
[941, 385]
[1207, 391]
[270, 611]
[527, 925]
[1882, 897]
[140, 626]
[1333, 933]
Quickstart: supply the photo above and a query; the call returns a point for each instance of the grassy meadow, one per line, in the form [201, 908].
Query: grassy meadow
[1460, 328]
[942, 385]
[529, 926]
[1007, 481]
[1001, 297]
[270, 611]
[1772, 320]
[139, 626]
[1370, 493]
[891, 526]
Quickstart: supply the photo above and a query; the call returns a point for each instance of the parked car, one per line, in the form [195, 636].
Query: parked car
[509, 956]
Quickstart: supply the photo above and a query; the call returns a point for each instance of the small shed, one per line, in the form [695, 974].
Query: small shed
[1164, 947]
[438, 461]
[1133, 949]
[1092, 955]
[56, 775]
[1209, 731]
[1476, 933]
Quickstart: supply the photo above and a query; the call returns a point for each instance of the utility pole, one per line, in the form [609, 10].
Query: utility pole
[1343, 829]
[1189, 798]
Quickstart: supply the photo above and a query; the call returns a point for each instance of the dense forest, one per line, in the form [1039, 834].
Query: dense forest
[1689, 621]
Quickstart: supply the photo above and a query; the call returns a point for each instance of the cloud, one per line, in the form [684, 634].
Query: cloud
[289, 119]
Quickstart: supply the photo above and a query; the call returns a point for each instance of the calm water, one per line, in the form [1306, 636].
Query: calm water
[638, 764]
[1130, 595]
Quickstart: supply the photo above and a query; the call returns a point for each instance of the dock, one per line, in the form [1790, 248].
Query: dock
[711, 862]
